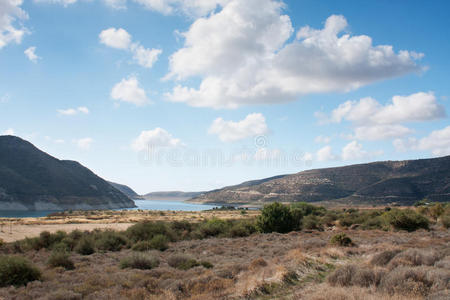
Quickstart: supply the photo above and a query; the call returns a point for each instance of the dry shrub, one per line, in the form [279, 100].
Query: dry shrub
[182, 262]
[257, 263]
[296, 255]
[440, 278]
[441, 295]
[61, 259]
[383, 258]
[347, 293]
[313, 243]
[355, 275]
[139, 261]
[333, 252]
[210, 286]
[409, 281]
[62, 294]
[443, 263]
[414, 257]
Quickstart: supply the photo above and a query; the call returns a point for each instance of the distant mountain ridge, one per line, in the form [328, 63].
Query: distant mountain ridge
[30, 179]
[125, 190]
[402, 182]
[169, 195]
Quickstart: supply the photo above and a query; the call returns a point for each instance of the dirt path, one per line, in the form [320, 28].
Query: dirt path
[13, 232]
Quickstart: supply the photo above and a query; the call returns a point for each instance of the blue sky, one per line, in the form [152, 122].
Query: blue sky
[224, 91]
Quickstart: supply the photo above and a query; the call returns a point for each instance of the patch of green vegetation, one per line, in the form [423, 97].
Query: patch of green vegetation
[85, 246]
[61, 259]
[110, 240]
[341, 239]
[276, 217]
[17, 271]
[139, 261]
[407, 219]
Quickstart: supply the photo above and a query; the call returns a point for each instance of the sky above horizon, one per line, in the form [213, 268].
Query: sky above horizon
[199, 94]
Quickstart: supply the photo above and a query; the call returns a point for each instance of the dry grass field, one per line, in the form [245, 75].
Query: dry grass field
[209, 261]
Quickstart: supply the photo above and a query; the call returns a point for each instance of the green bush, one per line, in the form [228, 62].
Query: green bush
[1, 243]
[206, 264]
[61, 259]
[85, 246]
[45, 240]
[61, 246]
[341, 239]
[307, 209]
[110, 241]
[139, 261]
[17, 271]
[242, 228]
[311, 222]
[182, 262]
[276, 217]
[445, 221]
[181, 226]
[374, 223]
[145, 231]
[213, 227]
[159, 242]
[142, 246]
[406, 219]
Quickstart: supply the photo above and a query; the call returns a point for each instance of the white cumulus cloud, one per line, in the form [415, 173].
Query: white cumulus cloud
[115, 38]
[121, 39]
[325, 154]
[412, 108]
[230, 131]
[375, 121]
[74, 111]
[437, 142]
[355, 151]
[128, 90]
[156, 138]
[10, 14]
[244, 54]
[193, 8]
[30, 53]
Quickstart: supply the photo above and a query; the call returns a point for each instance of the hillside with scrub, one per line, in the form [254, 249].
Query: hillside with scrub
[298, 251]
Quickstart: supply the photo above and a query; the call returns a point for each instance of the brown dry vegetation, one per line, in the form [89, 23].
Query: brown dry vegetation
[378, 264]
[297, 265]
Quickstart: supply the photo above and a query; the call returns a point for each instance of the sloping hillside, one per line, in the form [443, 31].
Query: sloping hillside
[403, 182]
[33, 180]
[125, 190]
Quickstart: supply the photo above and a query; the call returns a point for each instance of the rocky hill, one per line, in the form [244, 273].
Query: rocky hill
[401, 182]
[125, 190]
[33, 180]
[171, 195]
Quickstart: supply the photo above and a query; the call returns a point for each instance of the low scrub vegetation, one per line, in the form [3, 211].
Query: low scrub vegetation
[15, 270]
[139, 261]
[218, 259]
[61, 259]
[341, 239]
